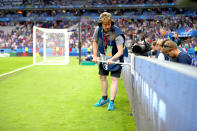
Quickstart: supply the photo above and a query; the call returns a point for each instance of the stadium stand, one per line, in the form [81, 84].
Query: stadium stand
[137, 18]
[136, 23]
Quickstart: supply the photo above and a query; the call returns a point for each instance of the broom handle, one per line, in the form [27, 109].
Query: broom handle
[121, 63]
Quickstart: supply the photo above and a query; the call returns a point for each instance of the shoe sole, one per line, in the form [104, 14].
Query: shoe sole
[102, 105]
[111, 109]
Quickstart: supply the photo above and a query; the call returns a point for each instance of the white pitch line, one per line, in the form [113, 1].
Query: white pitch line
[16, 70]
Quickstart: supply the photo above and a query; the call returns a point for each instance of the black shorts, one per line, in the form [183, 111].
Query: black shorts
[106, 73]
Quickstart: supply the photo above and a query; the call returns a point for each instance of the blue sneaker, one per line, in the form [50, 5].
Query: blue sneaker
[111, 106]
[101, 102]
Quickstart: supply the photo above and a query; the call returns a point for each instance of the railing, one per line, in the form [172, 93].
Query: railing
[162, 94]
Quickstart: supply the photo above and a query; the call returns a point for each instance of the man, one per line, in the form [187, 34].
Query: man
[108, 44]
[177, 39]
[164, 34]
[153, 50]
[195, 50]
[170, 49]
[180, 48]
[159, 55]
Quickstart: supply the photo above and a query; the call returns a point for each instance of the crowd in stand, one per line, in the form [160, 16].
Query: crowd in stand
[18, 38]
[134, 29]
[115, 12]
[84, 2]
[115, 2]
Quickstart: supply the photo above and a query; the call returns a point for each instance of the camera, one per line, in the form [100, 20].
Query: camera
[141, 48]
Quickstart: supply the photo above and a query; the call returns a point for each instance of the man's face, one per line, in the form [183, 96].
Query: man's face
[158, 45]
[153, 47]
[175, 35]
[171, 54]
[106, 25]
[162, 32]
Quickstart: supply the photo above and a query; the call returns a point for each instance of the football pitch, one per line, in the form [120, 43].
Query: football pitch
[58, 98]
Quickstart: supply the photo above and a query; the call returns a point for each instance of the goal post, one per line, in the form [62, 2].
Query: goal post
[50, 46]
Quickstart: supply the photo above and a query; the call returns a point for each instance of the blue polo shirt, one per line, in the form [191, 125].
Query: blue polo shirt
[184, 58]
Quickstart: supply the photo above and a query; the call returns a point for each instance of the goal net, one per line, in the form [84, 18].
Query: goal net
[50, 46]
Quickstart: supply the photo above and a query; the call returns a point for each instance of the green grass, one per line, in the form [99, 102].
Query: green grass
[11, 63]
[58, 98]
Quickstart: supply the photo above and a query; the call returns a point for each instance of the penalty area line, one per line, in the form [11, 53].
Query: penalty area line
[16, 70]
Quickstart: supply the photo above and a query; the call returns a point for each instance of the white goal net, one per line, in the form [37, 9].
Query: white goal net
[50, 46]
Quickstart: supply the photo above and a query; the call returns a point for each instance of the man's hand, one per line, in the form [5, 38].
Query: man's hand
[95, 59]
[109, 61]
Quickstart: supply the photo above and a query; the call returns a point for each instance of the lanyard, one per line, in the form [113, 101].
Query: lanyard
[105, 41]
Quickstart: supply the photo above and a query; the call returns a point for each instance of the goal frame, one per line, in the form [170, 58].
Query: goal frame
[66, 47]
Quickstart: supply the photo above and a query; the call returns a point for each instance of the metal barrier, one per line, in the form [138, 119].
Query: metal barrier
[162, 94]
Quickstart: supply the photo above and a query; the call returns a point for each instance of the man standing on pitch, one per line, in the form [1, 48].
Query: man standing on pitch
[108, 45]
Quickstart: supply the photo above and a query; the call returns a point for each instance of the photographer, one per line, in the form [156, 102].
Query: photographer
[159, 54]
[108, 43]
[153, 50]
[170, 48]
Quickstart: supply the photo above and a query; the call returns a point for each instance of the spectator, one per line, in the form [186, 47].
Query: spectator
[164, 34]
[196, 51]
[177, 39]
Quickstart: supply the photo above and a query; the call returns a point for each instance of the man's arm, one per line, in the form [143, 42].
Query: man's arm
[95, 45]
[95, 49]
[119, 53]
